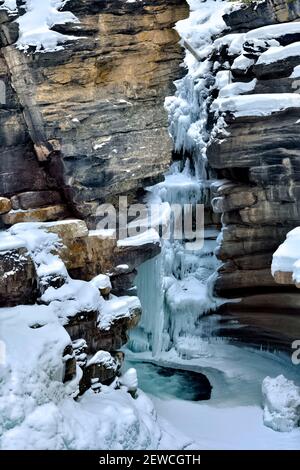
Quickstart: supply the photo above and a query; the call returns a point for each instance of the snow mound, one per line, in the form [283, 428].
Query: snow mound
[281, 398]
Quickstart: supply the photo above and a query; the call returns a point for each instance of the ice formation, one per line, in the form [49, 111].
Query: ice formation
[176, 288]
[281, 403]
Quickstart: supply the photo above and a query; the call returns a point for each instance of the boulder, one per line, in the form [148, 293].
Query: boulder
[17, 278]
[5, 205]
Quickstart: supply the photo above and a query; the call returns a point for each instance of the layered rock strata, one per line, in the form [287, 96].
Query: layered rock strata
[85, 124]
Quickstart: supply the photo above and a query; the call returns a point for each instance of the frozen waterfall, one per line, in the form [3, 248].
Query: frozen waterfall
[176, 288]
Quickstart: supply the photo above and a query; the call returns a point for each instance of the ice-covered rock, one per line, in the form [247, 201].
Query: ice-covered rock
[281, 400]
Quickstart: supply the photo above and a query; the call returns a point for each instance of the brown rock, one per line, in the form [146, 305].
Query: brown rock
[283, 277]
[68, 230]
[36, 215]
[5, 205]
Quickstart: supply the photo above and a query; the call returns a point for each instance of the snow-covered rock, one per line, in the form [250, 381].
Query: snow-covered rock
[281, 401]
[285, 264]
[130, 380]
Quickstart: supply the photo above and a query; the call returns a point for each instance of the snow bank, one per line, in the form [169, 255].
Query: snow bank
[37, 410]
[187, 109]
[256, 105]
[281, 403]
[296, 72]
[10, 5]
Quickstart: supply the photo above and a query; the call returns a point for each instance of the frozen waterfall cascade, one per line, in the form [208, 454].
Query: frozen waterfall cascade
[176, 289]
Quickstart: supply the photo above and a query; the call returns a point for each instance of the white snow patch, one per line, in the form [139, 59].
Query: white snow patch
[281, 403]
[103, 358]
[237, 88]
[101, 282]
[36, 23]
[115, 308]
[143, 238]
[296, 72]
[286, 258]
[257, 104]
[275, 54]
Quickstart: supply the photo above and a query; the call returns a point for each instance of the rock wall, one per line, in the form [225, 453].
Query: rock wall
[258, 196]
[85, 124]
[79, 127]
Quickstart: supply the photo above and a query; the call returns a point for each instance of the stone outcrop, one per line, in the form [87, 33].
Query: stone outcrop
[256, 160]
[89, 120]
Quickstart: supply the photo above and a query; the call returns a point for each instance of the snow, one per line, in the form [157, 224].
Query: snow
[296, 72]
[237, 88]
[286, 257]
[275, 54]
[37, 410]
[187, 109]
[36, 23]
[176, 288]
[103, 358]
[116, 308]
[130, 380]
[264, 36]
[103, 233]
[257, 104]
[281, 403]
[101, 282]
[242, 63]
[9, 5]
[143, 238]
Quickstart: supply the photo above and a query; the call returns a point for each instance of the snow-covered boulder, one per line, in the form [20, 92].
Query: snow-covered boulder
[281, 400]
[102, 282]
[130, 380]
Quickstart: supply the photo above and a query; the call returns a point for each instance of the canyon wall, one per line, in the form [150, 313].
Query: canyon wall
[85, 124]
[256, 160]
[78, 127]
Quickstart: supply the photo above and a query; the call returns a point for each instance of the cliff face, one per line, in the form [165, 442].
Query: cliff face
[78, 127]
[257, 161]
[88, 119]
